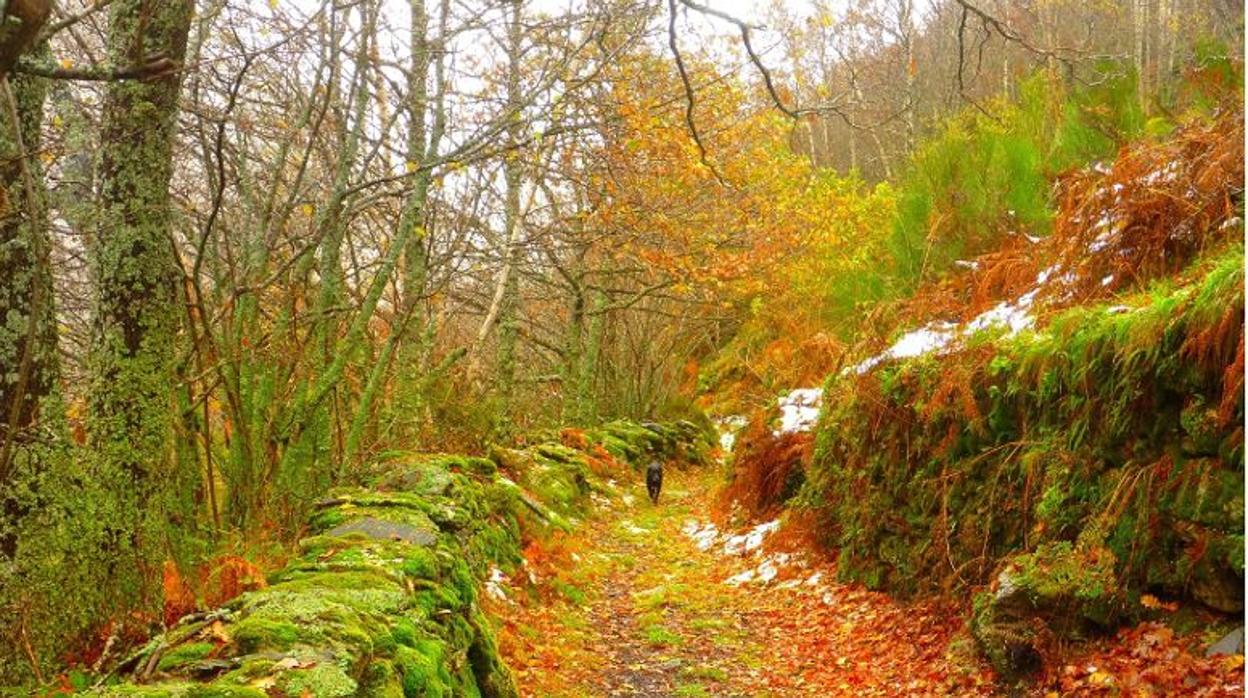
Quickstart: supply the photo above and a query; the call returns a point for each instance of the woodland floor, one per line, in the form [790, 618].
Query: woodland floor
[630, 606]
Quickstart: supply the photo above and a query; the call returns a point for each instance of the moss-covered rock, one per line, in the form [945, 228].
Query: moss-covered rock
[1057, 592]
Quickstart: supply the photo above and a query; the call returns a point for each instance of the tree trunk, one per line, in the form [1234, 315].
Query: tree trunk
[509, 308]
[29, 366]
[20, 24]
[586, 400]
[137, 313]
[426, 125]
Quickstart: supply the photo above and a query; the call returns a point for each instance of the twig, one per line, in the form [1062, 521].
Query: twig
[689, 94]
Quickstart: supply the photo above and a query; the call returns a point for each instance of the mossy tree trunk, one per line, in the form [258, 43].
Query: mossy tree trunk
[581, 354]
[509, 308]
[586, 400]
[131, 405]
[20, 24]
[426, 115]
[332, 225]
[29, 366]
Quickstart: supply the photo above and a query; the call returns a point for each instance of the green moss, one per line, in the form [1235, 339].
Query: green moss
[404, 632]
[662, 637]
[381, 680]
[420, 564]
[691, 690]
[933, 465]
[254, 634]
[1059, 571]
[423, 670]
[185, 654]
[322, 681]
[182, 690]
[358, 612]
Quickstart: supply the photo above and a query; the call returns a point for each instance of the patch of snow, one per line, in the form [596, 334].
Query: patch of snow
[728, 428]
[814, 579]
[746, 542]
[799, 410]
[1166, 174]
[494, 585]
[1117, 309]
[767, 571]
[967, 264]
[925, 340]
[764, 573]
[703, 536]
[1107, 280]
[1011, 315]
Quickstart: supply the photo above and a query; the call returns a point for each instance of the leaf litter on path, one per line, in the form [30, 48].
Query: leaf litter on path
[656, 618]
[646, 601]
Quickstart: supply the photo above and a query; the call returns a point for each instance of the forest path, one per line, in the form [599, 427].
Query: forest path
[631, 606]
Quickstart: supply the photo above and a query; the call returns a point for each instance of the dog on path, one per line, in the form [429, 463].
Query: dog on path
[654, 480]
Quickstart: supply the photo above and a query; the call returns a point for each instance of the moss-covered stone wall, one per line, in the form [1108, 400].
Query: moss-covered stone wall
[1070, 469]
[381, 599]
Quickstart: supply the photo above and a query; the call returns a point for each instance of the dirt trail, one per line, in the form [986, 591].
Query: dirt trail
[632, 607]
[658, 635]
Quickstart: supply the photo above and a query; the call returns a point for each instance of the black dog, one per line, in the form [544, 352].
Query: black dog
[654, 480]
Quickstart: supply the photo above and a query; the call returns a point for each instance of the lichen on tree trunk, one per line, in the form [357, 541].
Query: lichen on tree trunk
[131, 405]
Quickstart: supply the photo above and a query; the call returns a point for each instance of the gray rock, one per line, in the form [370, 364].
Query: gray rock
[380, 529]
[1231, 643]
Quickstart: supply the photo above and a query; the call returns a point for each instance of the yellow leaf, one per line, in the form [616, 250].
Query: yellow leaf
[67, 63]
[1101, 678]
